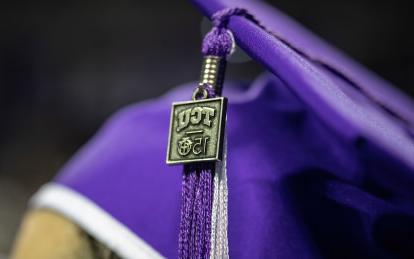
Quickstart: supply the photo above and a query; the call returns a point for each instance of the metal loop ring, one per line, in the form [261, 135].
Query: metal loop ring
[200, 91]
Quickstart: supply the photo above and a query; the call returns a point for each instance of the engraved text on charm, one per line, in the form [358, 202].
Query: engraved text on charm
[196, 131]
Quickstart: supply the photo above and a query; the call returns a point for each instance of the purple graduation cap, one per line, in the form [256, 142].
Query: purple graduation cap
[319, 160]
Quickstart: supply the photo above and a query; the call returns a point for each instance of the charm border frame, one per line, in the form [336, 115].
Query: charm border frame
[221, 129]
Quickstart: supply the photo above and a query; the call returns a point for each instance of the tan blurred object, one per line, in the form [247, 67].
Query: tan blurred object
[45, 234]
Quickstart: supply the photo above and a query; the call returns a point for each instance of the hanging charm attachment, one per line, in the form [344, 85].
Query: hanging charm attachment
[197, 126]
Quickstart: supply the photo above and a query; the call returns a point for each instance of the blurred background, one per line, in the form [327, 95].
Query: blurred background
[65, 66]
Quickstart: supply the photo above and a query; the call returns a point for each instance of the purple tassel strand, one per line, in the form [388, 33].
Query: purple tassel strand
[195, 225]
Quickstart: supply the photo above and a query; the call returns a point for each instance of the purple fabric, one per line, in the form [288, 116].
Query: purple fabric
[315, 168]
[310, 44]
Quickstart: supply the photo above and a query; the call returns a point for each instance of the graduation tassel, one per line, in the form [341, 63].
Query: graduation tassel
[195, 238]
[197, 139]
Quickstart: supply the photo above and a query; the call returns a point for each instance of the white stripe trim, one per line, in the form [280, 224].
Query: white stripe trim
[94, 220]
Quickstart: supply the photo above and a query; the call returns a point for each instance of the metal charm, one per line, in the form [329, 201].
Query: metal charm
[196, 131]
[197, 127]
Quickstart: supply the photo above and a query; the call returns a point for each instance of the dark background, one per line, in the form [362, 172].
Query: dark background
[65, 66]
